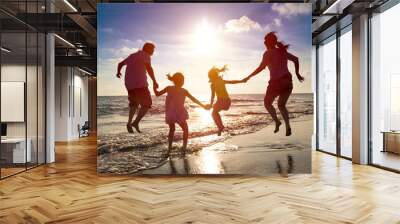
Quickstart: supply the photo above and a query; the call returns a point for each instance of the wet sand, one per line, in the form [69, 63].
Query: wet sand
[258, 153]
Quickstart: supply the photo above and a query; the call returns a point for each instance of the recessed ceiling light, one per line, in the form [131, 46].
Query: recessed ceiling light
[64, 40]
[84, 71]
[328, 10]
[70, 5]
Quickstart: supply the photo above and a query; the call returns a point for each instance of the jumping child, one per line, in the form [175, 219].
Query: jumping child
[218, 88]
[175, 111]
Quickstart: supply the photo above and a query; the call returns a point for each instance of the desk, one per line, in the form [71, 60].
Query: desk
[391, 141]
[13, 150]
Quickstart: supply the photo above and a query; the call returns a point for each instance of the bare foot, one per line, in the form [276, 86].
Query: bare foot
[288, 131]
[129, 128]
[220, 130]
[183, 153]
[166, 155]
[277, 124]
[136, 126]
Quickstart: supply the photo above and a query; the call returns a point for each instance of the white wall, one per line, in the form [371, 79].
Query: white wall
[70, 84]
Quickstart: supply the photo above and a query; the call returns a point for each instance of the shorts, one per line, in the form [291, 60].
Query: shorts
[139, 96]
[280, 86]
[222, 104]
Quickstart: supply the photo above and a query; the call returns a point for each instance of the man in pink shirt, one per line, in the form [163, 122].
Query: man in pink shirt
[137, 65]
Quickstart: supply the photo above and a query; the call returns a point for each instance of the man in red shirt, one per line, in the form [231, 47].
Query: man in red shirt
[137, 65]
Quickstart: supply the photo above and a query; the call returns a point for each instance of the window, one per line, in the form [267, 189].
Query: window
[346, 93]
[385, 89]
[22, 78]
[327, 96]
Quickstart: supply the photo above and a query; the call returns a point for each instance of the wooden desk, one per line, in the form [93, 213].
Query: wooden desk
[391, 141]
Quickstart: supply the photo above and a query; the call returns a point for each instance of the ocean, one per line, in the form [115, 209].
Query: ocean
[121, 152]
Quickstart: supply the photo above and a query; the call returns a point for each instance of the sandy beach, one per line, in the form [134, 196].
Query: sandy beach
[257, 153]
[248, 146]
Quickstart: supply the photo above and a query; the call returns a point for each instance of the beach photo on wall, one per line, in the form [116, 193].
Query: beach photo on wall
[204, 89]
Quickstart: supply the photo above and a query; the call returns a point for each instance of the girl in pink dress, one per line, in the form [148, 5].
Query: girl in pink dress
[175, 111]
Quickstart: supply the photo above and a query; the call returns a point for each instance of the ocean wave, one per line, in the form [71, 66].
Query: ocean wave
[125, 142]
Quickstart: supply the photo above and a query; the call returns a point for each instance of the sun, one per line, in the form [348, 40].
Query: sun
[205, 38]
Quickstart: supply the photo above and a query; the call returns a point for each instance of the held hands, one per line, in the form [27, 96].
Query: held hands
[155, 87]
[207, 106]
[246, 79]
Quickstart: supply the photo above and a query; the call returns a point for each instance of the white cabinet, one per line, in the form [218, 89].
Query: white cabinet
[17, 147]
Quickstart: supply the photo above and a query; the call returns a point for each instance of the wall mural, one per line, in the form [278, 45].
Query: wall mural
[192, 88]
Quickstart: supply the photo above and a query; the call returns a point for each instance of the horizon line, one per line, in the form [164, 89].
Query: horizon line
[229, 94]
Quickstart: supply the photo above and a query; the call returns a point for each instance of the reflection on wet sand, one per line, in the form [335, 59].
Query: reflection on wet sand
[204, 162]
[258, 153]
[208, 162]
[289, 168]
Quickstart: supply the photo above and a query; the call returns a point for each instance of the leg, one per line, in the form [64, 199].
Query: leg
[143, 98]
[142, 111]
[132, 111]
[283, 98]
[268, 100]
[133, 105]
[171, 136]
[217, 119]
[185, 130]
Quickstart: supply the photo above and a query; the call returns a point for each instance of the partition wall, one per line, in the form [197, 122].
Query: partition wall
[23, 86]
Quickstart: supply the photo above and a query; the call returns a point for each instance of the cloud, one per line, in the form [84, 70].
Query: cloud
[277, 22]
[243, 24]
[128, 42]
[291, 9]
[121, 52]
[274, 25]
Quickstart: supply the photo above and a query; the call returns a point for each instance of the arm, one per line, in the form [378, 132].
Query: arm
[151, 74]
[120, 65]
[162, 92]
[261, 67]
[295, 60]
[192, 98]
[234, 81]
[255, 72]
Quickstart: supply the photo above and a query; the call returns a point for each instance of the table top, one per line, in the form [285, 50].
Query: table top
[390, 132]
[13, 140]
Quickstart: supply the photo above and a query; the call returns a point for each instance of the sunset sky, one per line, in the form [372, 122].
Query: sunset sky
[193, 37]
